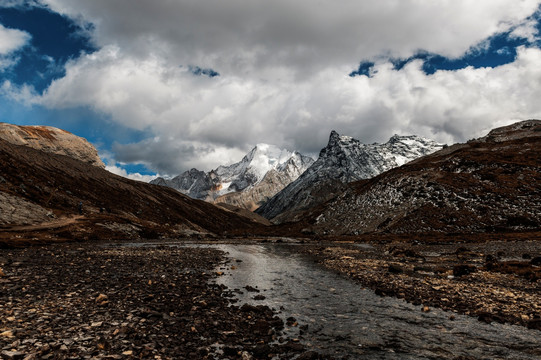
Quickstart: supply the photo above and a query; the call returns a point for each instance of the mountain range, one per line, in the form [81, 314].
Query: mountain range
[342, 161]
[40, 193]
[263, 172]
[490, 184]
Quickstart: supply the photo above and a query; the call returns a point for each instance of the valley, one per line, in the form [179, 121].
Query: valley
[406, 262]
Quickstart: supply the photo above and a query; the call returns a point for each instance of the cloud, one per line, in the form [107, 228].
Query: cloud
[196, 121]
[527, 30]
[284, 69]
[11, 40]
[134, 176]
[299, 37]
[24, 94]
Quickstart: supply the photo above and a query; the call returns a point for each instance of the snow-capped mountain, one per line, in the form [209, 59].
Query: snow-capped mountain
[486, 185]
[343, 160]
[258, 170]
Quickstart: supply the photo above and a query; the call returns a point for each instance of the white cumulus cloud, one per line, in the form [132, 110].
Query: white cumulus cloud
[11, 40]
[284, 69]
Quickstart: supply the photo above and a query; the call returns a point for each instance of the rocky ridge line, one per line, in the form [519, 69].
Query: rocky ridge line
[263, 172]
[52, 140]
[343, 160]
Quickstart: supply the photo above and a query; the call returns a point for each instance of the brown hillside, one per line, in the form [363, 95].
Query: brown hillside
[40, 193]
[491, 184]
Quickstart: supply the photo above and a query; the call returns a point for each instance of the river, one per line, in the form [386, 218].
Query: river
[346, 321]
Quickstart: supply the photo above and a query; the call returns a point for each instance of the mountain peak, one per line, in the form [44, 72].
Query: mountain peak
[334, 135]
[243, 175]
[343, 160]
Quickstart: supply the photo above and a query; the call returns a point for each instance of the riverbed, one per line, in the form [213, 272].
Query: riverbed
[334, 315]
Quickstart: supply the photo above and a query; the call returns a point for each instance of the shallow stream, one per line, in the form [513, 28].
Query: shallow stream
[349, 322]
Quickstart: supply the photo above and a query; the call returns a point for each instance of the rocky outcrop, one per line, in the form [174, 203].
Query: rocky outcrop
[489, 184]
[343, 160]
[16, 210]
[262, 173]
[52, 140]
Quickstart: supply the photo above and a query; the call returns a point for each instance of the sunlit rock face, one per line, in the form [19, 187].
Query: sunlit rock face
[53, 140]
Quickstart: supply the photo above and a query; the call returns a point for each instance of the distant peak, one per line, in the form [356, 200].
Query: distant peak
[334, 138]
[263, 147]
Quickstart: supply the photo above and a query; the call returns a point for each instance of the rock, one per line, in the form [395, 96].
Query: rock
[426, 309]
[12, 354]
[461, 270]
[52, 140]
[128, 353]
[2, 274]
[290, 321]
[261, 351]
[309, 355]
[534, 324]
[101, 298]
[395, 269]
[7, 334]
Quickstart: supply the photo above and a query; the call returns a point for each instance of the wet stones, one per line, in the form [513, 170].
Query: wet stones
[15, 355]
[120, 302]
[462, 270]
[251, 289]
[536, 261]
[395, 269]
[490, 280]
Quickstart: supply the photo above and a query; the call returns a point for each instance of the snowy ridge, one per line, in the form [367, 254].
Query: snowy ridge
[343, 160]
[241, 176]
[489, 184]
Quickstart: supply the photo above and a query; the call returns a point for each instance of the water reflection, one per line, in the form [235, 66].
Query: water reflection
[346, 321]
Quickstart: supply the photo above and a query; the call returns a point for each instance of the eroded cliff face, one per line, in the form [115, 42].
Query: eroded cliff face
[52, 140]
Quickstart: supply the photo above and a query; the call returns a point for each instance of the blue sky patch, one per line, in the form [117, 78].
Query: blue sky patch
[363, 69]
[196, 70]
[55, 40]
[497, 50]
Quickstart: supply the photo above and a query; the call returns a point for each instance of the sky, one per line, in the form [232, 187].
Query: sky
[163, 86]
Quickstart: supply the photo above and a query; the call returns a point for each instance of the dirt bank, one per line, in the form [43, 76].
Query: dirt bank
[493, 281]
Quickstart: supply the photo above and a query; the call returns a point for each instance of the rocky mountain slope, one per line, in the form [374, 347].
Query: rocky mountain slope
[52, 140]
[343, 160]
[490, 184]
[40, 193]
[263, 172]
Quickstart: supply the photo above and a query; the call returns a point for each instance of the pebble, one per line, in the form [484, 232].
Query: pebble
[501, 292]
[12, 354]
[52, 313]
